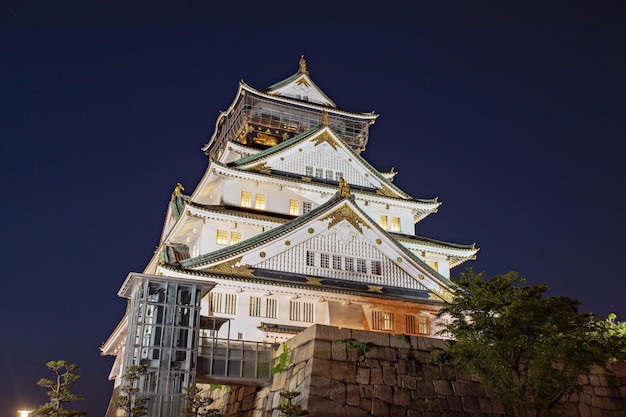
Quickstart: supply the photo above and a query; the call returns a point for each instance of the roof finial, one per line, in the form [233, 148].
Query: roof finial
[344, 188]
[325, 120]
[303, 69]
[178, 190]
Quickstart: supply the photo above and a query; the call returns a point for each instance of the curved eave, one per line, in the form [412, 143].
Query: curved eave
[116, 340]
[289, 284]
[459, 249]
[423, 206]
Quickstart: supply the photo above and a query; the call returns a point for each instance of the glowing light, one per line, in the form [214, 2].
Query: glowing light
[23, 413]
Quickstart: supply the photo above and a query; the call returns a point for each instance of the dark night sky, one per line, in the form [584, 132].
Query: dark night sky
[514, 116]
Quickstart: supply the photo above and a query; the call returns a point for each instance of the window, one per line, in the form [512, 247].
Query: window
[395, 224]
[376, 268]
[382, 320]
[222, 237]
[349, 264]
[330, 175]
[417, 324]
[324, 260]
[360, 266]
[246, 199]
[301, 311]
[383, 221]
[235, 237]
[309, 171]
[338, 176]
[223, 303]
[306, 206]
[336, 262]
[319, 172]
[259, 202]
[294, 207]
[310, 258]
[263, 308]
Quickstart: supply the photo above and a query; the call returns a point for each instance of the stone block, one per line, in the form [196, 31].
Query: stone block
[366, 391]
[383, 393]
[382, 353]
[497, 406]
[619, 369]
[380, 408]
[371, 338]
[473, 388]
[322, 349]
[329, 333]
[320, 406]
[344, 371]
[339, 351]
[397, 411]
[597, 402]
[443, 387]
[366, 404]
[362, 375]
[484, 405]
[600, 391]
[454, 403]
[596, 412]
[319, 386]
[321, 367]
[611, 404]
[431, 372]
[355, 355]
[338, 392]
[450, 413]
[470, 404]
[428, 343]
[356, 412]
[426, 389]
[303, 352]
[402, 397]
[353, 394]
[408, 381]
[390, 376]
[376, 376]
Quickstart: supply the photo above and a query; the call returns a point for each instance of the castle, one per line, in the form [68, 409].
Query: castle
[289, 227]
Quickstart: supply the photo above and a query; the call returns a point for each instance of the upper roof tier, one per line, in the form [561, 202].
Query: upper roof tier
[264, 118]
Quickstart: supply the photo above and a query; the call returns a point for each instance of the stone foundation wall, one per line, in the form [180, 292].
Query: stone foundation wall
[335, 381]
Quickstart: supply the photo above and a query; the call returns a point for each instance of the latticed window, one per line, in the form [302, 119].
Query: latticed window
[309, 171]
[294, 207]
[382, 320]
[433, 264]
[246, 199]
[259, 202]
[255, 306]
[338, 176]
[336, 262]
[324, 261]
[230, 305]
[349, 264]
[235, 237]
[382, 220]
[301, 311]
[306, 206]
[310, 258]
[422, 325]
[395, 224]
[417, 324]
[319, 172]
[360, 266]
[330, 175]
[222, 237]
[376, 268]
[271, 308]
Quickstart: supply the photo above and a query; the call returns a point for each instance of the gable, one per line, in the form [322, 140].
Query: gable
[302, 88]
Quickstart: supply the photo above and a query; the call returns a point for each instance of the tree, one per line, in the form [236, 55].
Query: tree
[287, 408]
[196, 404]
[129, 400]
[527, 348]
[60, 391]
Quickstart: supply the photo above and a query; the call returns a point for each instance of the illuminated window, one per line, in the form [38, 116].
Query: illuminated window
[349, 264]
[309, 171]
[422, 325]
[306, 206]
[382, 320]
[360, 266]
[324, 260]
[382, 220]
[259, 202]
[395, 224]
[310, 258]
[235, 237]
[222, 237]
[417, 324]
[434, 265]
[376, 268]
[336, 262]
[294, 207]
[246, 199]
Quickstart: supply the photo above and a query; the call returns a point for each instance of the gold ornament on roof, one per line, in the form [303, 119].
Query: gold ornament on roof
[325, 120]
[303, 69]
[178, 190]
[344, 188]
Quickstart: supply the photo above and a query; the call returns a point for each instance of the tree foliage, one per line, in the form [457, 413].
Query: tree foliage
[196, 403]
[287, 408]
[129, 400]
[60, 391]
[527, 348]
